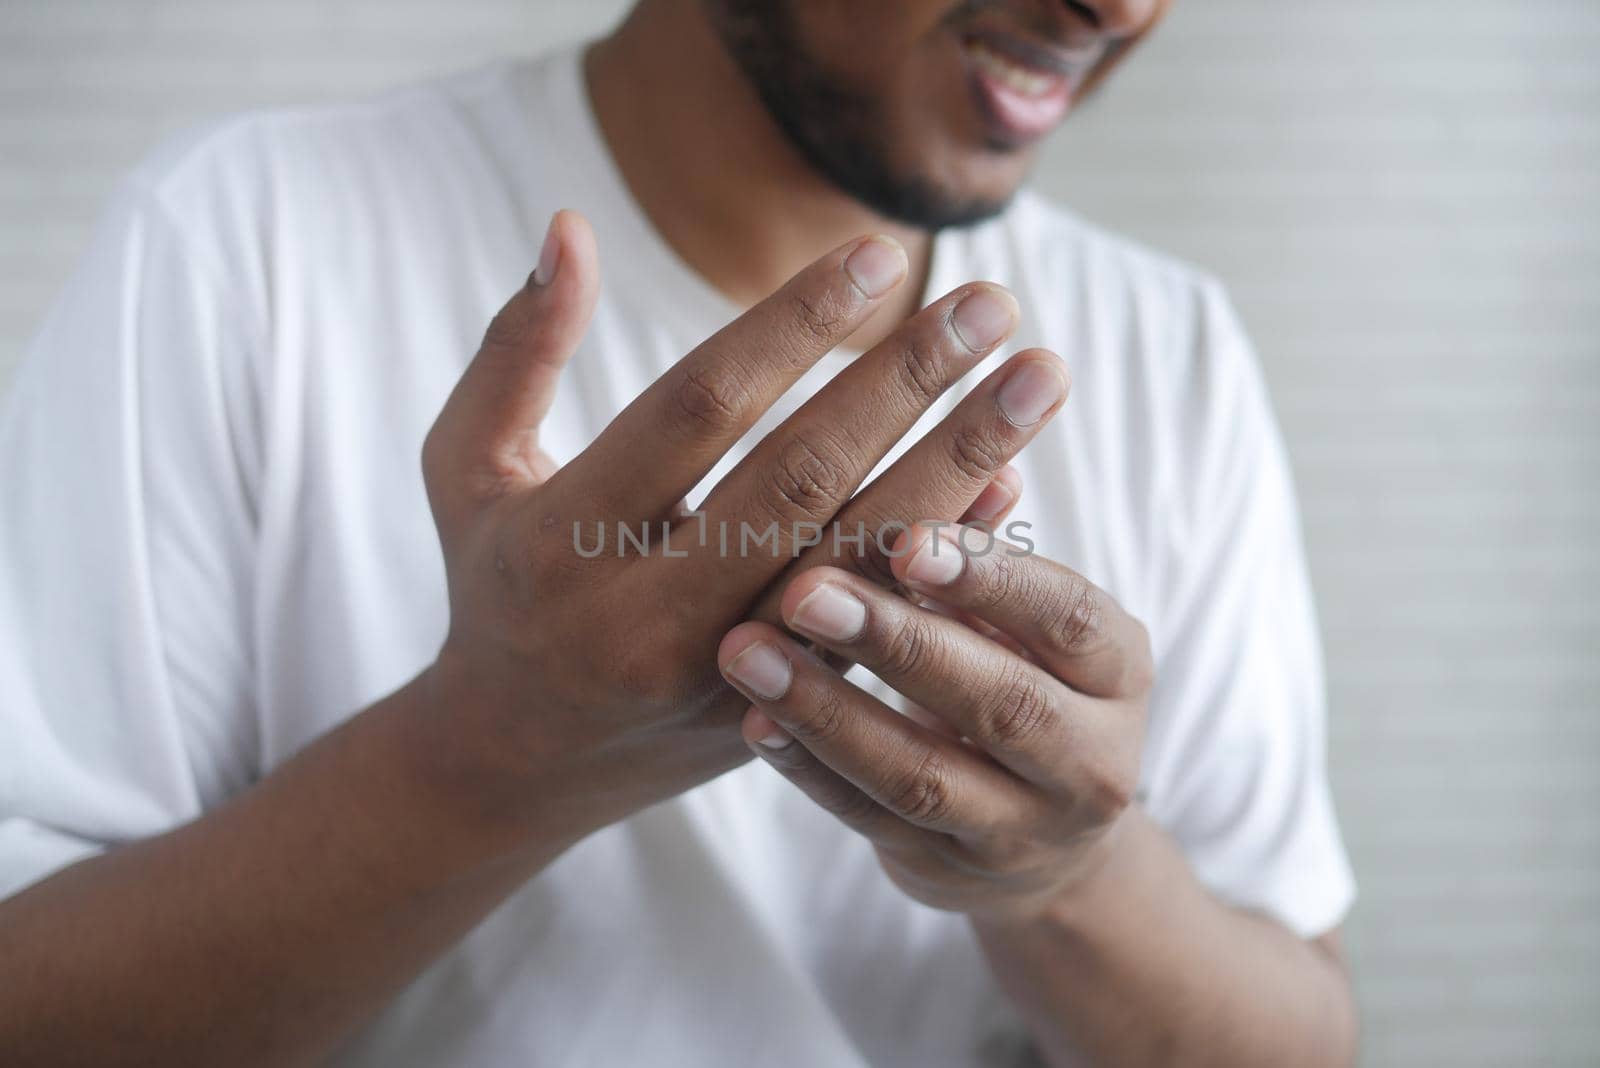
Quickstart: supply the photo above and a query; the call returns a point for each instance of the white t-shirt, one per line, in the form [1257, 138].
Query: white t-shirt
[215, 547]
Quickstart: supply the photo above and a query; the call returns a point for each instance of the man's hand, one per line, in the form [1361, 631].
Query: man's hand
[1005, 794]
[569, 692]
[1000, 796]
[592, 675]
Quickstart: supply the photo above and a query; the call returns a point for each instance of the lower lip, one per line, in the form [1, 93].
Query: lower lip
[1019, 118]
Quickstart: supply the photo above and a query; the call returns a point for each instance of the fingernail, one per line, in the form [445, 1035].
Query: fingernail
[778, 739]
[830, 612]
[772, 736]
[995, 499]
[877, 265]
[1033, 389]
[762, 670]
[937, 562]
[984, 318]
[549, 257]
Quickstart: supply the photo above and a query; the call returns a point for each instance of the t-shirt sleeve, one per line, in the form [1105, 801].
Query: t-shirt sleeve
[126, 532]
[1235, 762]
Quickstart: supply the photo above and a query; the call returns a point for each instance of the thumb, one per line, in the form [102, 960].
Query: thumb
[486, 439]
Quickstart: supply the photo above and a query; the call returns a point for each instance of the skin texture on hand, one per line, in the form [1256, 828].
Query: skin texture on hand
[1006, 794]
[262, 932]
[595, 694]
[1007, 805]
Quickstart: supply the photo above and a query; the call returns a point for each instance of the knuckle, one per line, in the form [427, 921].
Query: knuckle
[823, 720]
[1004, 581]
[1080, 620]
[818, 316]
[925, 795]
[1018, 714]
[976, 454]
[808, 479]
[921, 368]
[708, 399]
[907, 649]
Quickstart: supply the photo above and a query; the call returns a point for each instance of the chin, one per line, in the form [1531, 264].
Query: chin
[959, 184]
[983, 177]
[939, 145]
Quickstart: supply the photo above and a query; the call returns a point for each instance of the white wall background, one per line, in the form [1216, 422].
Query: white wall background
[1405, 197]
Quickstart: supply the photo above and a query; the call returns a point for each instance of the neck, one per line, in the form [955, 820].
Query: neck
[714, 174]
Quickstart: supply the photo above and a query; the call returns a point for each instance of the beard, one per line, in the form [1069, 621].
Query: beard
[842, 133]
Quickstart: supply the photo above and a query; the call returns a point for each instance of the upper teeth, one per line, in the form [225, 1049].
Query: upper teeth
[1023, 80]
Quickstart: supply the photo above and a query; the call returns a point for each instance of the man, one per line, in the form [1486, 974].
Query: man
[283, 782]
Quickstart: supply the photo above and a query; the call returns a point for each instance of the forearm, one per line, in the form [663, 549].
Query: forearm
[1140, 965]
[265, 931]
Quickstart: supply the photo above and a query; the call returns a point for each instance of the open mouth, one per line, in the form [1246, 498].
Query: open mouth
[1023, 90]
[1012, 75]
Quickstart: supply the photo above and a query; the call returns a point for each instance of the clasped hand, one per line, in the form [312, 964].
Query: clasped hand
[588, 686]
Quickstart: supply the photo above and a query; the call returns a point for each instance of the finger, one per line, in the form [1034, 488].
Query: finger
[993, 504]
[485, 440]
[967, 619]
[924, 778]
[803, 472]
[958, 870]
[1013, 709]
[991, 508]
[944, 473]
[1074, 628]
[831, 791]
[997, 500]
[674, 432]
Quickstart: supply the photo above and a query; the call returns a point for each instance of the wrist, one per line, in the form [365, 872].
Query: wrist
[556, 774]
[1095, 876]
[477, 766]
